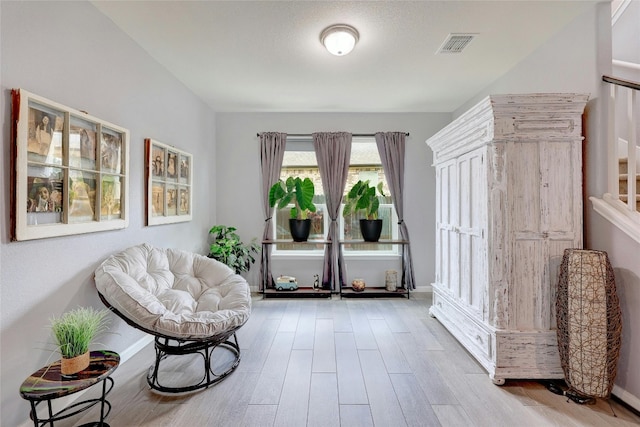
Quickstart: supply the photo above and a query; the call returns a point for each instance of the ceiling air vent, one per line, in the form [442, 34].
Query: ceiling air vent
[456, 42]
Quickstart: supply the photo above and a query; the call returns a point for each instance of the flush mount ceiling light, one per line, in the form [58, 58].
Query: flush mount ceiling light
[339, 39]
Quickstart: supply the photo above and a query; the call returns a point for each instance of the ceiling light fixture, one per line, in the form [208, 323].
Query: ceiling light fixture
[339, 39]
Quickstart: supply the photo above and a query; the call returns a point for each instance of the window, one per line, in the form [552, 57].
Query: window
[365, 164]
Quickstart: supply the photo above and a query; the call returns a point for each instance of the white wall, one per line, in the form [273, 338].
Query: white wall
[625, 30]
[238, 171]
[574, 61]
[70, 53]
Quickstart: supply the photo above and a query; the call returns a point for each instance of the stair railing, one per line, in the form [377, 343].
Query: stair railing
[623, 125]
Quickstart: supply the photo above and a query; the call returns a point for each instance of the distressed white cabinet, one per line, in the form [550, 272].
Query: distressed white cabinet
[509, 201]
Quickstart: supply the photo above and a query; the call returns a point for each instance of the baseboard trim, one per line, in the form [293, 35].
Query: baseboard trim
[626, 397]
[131, 351]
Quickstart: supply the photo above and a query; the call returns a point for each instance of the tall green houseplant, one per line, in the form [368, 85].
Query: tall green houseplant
[297, 190]
[227, 248]
[300, 192]
[363, 198]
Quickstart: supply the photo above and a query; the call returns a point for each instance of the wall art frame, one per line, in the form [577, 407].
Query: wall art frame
[169, 182]
[70, 170]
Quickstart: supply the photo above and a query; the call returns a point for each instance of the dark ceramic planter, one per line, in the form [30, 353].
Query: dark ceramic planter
[371, 229]
[300, 229]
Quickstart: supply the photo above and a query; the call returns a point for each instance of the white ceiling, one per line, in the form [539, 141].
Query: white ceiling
[266, 55]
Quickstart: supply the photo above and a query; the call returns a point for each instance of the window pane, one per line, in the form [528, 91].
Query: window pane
[45, 134]
[45, 195]
[82, 196]
[352, 229]
[112, 186]
[82, 144]
[317, 228]
[111, 151]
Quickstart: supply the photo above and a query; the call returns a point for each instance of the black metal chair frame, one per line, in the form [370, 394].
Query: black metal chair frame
[169, 346]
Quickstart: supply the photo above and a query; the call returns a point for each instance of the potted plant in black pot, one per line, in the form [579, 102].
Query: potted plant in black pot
[300, 192]
[227, 248]
[363, 198]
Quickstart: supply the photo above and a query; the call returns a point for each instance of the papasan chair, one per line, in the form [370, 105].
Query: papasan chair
[191, 304]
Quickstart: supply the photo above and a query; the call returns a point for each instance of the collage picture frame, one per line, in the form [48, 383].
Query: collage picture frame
[169, 183]
[70, 170]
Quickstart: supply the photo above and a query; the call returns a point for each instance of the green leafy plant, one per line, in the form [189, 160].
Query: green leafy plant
[75, 330]
[227, 248]
[362, 197]
[296, 190]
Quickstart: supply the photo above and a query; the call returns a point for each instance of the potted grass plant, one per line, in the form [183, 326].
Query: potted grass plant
[74, 332]
[300, 192]
[364, 199]
[227, 248]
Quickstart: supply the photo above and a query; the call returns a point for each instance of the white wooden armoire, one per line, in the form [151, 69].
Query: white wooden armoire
[509, 202]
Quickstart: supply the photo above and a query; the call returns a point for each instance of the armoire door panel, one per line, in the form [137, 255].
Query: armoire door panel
[558, 177]
[523, 188]
[525, 285]
[454, 263]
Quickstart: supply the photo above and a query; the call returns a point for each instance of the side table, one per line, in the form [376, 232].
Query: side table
[48, 383]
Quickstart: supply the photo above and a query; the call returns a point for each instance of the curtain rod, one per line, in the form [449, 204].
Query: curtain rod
[308, 135]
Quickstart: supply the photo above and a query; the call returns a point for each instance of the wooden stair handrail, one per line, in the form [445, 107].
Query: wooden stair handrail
[621, 82]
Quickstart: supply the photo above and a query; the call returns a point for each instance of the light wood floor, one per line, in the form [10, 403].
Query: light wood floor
[375, 362]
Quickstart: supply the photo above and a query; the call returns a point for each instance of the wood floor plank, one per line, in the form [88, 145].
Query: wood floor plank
[385, 408]
[393, 357]
[294, 401]
[460, 359]
[361, 329]
[277, 308]
[391, 315]
[259, 416]
[341, 317]
[372, 308]
[324, 348]
[269, 385]
[412, 315]
[325, 309]
[452, 415]
[356, 416]
[324, 409]
[414, 403]
[305, 332]
[351, 388]
[289, 321]
[434, 384]
[252, 329]
[227, 403]
[253, 357]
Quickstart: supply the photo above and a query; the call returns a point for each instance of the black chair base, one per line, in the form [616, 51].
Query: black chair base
[171, 347]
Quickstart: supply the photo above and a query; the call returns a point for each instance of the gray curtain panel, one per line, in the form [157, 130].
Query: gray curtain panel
[333, 152]
[272, 145]
[391, 146]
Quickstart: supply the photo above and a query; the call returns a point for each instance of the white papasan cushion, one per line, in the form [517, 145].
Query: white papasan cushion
[174, 293]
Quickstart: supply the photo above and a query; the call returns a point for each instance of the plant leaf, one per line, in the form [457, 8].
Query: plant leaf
[304, 193]
[276, 192]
